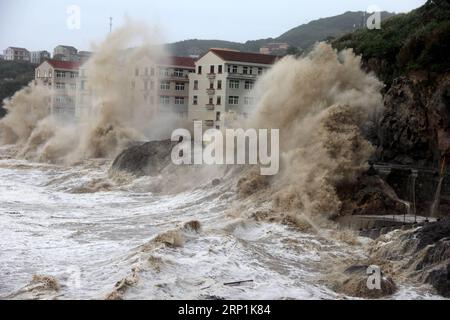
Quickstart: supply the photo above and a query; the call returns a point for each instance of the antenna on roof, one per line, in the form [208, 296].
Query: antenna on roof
[110, 24]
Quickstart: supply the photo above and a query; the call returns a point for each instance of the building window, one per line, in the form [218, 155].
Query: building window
[73, 86]
[245, 70]
[38, 73]
[219, 100]
[217, 116]
[234, 84]
[212, 70]
[248, 85]
[60, 74]
[211, 85]
[250, 70]
[136, 72]
[219, 84]
[152, 71]
[179, 86]
[260, 71]
[179, 73]
[165, 85]
[235, 69]
[211, 101]
[233, 100]
[164, 100]
[179, 100]
[196, 85]
[220, 69]
[60, 85]
[49, 74]
[163, 72]
[199, 69]
[146, 84]
[248, 101]
[195, 100]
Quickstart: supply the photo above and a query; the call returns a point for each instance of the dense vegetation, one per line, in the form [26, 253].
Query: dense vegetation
[415, 42]
[301, 37]
[13, 76]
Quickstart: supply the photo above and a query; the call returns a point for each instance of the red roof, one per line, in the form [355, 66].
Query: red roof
[68, 65]
[238, 56]
[182, 62]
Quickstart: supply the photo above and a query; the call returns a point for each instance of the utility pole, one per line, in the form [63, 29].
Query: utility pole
[110, 24]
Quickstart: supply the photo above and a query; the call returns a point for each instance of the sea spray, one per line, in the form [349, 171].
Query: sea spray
[320, 103]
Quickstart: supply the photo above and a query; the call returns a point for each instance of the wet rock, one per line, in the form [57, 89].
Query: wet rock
[147, 159]
[440, 280]
[422, 254]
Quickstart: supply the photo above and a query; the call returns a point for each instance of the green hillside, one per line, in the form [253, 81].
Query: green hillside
[417, 41]
[13, 76]
[300, 37]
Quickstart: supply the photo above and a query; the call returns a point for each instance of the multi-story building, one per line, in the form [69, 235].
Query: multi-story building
[16, 54]
[66, 53]
[163, 87]
[223, 83]
[37, 57]
[61, 78]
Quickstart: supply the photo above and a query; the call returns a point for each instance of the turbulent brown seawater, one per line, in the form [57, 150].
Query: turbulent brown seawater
[70, 229]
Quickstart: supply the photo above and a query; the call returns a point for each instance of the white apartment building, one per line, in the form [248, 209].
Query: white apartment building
[61, 78]
[16, 54]
[223, 83]
[163, 87]
[37, 57]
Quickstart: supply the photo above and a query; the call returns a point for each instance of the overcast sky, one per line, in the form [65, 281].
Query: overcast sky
[42, 24]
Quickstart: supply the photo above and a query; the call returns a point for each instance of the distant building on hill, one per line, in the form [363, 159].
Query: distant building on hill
[66, 53]
[274, 48]
[37, 57]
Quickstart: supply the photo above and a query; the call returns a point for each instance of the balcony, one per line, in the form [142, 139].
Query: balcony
[210, 107]
[211, 76]
[211, 91]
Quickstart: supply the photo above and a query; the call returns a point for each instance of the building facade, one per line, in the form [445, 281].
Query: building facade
[66, 53]
[165, 87]
[61, 77]
[222, 84]
[37, 57]
[16, 54]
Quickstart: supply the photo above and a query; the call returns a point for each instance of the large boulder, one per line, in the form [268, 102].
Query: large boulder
[146, 159]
